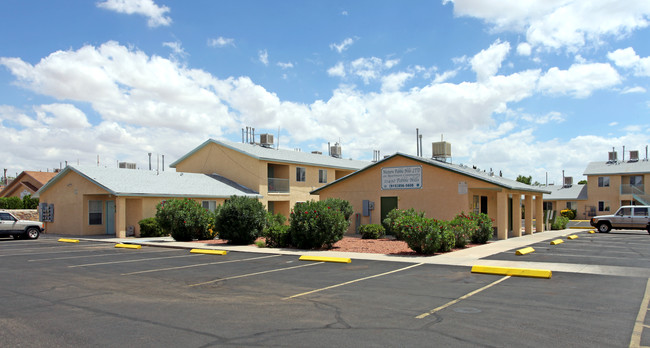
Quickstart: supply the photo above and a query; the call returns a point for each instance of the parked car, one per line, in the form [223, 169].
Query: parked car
[628, 217]
[12, 226]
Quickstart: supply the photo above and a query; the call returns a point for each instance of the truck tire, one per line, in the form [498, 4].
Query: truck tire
[32, 233]
[604, 227]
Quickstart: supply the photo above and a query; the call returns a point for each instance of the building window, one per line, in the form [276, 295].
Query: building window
[636, 180]
[95, 212]
[300, 174]
[572, 205]
[209, 205]
[322, 176]
[547, 205]
[603, 206]
[603, 181]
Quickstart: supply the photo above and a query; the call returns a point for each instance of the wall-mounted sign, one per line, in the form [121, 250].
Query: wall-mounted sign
[400, 178]
[462, 187]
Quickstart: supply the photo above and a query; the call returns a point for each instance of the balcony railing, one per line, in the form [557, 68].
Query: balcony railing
[278, 185]
[627, 189]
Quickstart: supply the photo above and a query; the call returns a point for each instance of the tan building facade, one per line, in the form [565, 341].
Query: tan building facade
[281, 177]
[86, 200]
[442, 190]
[26, 183]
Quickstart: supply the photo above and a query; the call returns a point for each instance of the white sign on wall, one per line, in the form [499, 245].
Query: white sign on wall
[401, 178]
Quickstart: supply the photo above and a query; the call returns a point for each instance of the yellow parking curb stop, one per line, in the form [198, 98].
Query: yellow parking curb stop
[557, 241]
[209, 252]
[325, 259]
[592, 231]
[66, 240]
[524, 251]
[128, 246]
[515, 272]
[573, 236]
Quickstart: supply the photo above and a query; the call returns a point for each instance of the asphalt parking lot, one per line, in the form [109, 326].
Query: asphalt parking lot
[91, 293]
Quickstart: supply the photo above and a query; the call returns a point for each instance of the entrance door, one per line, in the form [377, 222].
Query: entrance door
[110, 217]
[387, 204]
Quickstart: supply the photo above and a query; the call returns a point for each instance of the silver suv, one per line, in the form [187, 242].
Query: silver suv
[628, 217]
[12, 226]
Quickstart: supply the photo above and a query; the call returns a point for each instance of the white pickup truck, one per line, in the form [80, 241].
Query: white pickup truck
[12, 226]
[628, 217]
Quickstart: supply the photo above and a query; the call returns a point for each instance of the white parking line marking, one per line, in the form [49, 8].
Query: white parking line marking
[198, 265]
[352, 281]
[97, 255]
[127, 261]
[257, 273]
[635, 340]
[76, 250]
[424, 315]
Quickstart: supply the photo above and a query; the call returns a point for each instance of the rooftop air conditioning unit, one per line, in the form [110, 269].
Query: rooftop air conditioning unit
[266, 140]
[634, 156]
[317, 152]
[335, 150]
[126, 165]
[568, 181]
[612, 156]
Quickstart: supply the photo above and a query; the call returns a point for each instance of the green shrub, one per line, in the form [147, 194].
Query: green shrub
[372, 231]
[484, 232]
[184, 219]
[11, 203]
[446, 235]
[463, 228]
[422, 235]
[390, 222]
[29, 202]
[341, 205]
[277, 236]
[316, 225]
[275, 219]
[241, 220]
[568, 213]
[149, 227]
[559, 223]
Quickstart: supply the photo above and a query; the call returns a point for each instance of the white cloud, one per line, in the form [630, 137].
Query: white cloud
[580, 80]
[221, 42]
[285, 65]
[394, 82]
[337, 70]
[635, 89]
[440, 78]
[147, 8]
[627, 58]
[487, 62]
[344, 45]
[559, 24]
[263, 57]
[524, 49]
[369, 69]
[612, 124]
[552, 116]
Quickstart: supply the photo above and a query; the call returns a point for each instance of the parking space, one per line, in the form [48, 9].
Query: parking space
[163, 296]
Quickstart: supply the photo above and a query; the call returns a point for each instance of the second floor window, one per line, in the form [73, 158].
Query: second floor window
[300, 174]
[603, 181]
[322, 176]
[636, 180]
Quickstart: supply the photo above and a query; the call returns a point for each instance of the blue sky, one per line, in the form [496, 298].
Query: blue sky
[523, 87]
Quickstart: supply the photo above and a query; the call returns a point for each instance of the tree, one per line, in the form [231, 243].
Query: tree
[525, 179]
[582, 182]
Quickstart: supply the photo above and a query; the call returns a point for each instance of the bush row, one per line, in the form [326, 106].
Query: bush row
[241, 220]
[428, 236]
[26, 202]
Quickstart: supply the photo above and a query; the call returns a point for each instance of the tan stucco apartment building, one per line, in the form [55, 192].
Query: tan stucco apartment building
[440, 189]
[610, 184]
[90, 200]
[282, 177]
[26, 183]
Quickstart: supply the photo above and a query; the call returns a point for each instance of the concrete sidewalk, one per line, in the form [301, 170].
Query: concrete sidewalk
[466, 257]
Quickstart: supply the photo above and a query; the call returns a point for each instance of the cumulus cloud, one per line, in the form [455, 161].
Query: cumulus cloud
[263, 57]
[344, 45]
[155, 14]
[524, 49]
[627, 58]
[580, 80]
[221, 42]
[285, 65]
[488, 62]
[558, 24]
[337, 70]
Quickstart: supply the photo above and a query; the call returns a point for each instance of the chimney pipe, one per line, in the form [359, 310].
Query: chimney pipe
[149, 160]
[417, 141]
[623, 153]
[163, 163]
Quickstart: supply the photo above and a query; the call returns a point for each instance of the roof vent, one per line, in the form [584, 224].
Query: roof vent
[634, 156]
[126, 165]
[266, 140]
